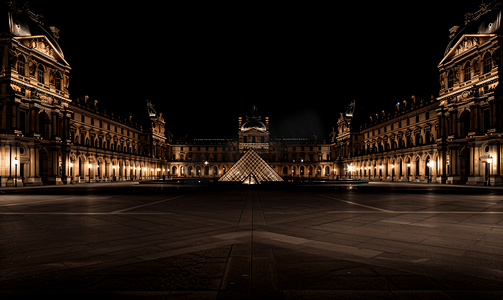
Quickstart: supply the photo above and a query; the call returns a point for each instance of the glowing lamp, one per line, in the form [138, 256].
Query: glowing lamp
[490, 160]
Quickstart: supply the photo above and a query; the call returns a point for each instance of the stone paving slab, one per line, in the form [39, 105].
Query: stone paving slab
[251, 244]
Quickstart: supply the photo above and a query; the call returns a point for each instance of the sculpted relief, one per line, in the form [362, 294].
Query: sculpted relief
[466, 44]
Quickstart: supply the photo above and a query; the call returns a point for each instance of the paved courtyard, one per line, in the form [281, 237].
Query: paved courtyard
[377, 241]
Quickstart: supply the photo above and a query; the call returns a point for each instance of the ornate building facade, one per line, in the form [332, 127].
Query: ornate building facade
[455, 138]
[46, 137]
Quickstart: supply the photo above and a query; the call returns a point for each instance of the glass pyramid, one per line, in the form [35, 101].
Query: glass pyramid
[251, 169]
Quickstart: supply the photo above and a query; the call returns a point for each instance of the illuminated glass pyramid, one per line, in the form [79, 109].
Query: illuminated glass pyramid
[251, 169]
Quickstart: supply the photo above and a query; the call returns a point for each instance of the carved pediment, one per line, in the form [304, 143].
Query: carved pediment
[41, 44]
[466, 43]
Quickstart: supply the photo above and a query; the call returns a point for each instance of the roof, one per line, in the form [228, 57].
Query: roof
[254, 124]
[24, 23]
[487, 20]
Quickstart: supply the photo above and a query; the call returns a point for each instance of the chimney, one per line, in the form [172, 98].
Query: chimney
[55, 32]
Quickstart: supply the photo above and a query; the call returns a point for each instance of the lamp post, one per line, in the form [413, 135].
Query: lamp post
[89, 167]
[408, 172]
[15, 170]
[489, 161]
[71, 172]
[350, 168]
[392, 172]
[429, 164]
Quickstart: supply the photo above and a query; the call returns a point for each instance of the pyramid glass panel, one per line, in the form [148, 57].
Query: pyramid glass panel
[251, 169]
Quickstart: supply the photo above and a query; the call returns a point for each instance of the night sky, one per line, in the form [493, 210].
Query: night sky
[204, 66]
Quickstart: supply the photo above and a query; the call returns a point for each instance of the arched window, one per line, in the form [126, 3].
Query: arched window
[285, 170]
[467, 71]
[327, 171]
[487, 64]
[173, 171]
[40, 74]
[20, 65]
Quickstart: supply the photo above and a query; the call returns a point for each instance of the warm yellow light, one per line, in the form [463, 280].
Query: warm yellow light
[430, 164]
[71, 165]
[490, 160]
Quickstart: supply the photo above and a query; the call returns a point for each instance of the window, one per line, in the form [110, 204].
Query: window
[40, 74]
[82, 118]
[57, 81]
[417, 118]
[20, 65]
[467, 71]
[450, 79]
[487, 65]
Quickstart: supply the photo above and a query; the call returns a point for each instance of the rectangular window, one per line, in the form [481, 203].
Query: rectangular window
[108, 126]
[82, 119]
[92, 121]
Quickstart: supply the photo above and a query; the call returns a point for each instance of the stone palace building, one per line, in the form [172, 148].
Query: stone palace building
[46, 137]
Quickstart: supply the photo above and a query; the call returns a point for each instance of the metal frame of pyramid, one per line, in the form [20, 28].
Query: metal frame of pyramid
[251, 169]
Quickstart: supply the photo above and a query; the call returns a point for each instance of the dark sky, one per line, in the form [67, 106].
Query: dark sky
[203, 66]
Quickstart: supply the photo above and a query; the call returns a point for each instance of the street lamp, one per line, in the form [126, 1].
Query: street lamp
[71, 172]
[392, 172]
[408, 172]
[89, 167]
[489, 161]
[15, 170]
[351, 169]
[429, 164]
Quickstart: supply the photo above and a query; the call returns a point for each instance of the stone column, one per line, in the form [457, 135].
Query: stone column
[54, 125]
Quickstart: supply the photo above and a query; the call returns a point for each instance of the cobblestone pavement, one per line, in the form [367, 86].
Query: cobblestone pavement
[378, 241]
